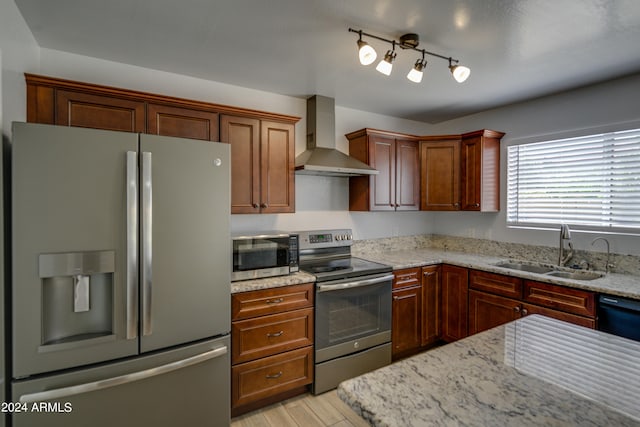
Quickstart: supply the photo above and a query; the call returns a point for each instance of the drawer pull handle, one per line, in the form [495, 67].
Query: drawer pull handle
[274, 301]
[274, 376]
[276, 334]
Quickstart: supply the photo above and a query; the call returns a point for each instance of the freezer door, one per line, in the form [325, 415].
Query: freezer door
[185, 241]
[70, 247]
[183, 387]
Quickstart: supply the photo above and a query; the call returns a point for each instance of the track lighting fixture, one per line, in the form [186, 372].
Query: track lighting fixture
[368, 55]
[386, 65]
[415, 74]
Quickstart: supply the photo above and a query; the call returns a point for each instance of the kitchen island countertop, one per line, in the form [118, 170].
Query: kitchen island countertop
[535, 371]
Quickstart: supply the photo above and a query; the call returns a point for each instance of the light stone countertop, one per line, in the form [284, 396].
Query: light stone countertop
[272, 282]
[535, 371]
[616, 284]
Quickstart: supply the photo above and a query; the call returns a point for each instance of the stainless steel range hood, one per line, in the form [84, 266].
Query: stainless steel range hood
[321, 156]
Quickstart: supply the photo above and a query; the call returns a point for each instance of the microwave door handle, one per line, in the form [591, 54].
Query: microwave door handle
[356, 284]
[147, 256]
[132, 246]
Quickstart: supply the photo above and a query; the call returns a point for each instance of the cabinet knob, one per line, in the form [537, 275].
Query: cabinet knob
[525, 311]
[516, 309]
[397, 205]
[264, 205]
[476, 205]
[255, 206]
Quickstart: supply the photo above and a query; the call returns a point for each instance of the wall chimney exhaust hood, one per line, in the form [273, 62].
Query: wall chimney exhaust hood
[321, 156]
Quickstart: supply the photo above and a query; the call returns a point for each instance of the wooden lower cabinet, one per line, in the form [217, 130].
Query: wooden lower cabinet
[271, 345]
[406, 312]
[406, 329]
[262, 379]
[487, 311]
[431, 305]
[455, 306]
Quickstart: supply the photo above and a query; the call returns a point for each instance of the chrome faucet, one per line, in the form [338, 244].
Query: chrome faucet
[608, 265]
[565, 234]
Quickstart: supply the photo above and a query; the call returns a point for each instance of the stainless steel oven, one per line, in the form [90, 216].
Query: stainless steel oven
[353, 308]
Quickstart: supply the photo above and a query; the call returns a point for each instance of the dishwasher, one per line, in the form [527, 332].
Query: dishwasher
[619, 316]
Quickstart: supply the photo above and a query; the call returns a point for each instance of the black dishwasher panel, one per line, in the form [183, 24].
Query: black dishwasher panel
[619, 316]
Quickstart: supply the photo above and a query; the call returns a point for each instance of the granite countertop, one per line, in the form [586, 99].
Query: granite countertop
[272, 282]
[535, 371]
[611, 283]
[616, 284]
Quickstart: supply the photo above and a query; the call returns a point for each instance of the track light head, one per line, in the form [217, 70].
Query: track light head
[460, 72]
[386, 65]
[366, 53]
[415, 74]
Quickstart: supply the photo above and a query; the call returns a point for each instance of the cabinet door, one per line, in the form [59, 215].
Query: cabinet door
[99, 112]
[440, 175]
[431, 277]
[471, 173]
[454, 302]
[487, 311]
[480, 176]
[182, 122]
[244, 136]
[277, 186]
[407, 195]
[406, 320]
[383, 158]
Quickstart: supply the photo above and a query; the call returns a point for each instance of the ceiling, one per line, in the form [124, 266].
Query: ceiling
[516, 49]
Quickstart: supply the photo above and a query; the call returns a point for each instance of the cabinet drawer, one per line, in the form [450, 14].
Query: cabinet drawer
[496, 284]
[571, 300]
[560, 315]
[406, 277]
[260, 379]
[268, 335]
[245, 305]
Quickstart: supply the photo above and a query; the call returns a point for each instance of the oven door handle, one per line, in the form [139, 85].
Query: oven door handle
[356, 284]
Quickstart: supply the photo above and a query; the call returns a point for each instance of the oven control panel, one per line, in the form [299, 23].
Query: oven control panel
[325, 238]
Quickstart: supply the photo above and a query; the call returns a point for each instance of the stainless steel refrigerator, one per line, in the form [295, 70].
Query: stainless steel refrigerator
[120, 279]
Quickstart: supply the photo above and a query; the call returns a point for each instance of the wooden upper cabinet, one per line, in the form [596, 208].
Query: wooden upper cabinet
[243, 134]
[262, 169]
[480, 172]
[99, 112]
[182, 122]
[262, 143]
[440, 173]
[396, 187]
[277, 165]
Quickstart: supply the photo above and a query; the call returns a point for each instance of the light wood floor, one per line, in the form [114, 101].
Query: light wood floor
[306, 410]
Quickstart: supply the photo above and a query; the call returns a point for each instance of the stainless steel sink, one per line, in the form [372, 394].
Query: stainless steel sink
[531, 268]
[576, 275]
[547, 270]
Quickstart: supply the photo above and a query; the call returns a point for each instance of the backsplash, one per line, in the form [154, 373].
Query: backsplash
[623, 264]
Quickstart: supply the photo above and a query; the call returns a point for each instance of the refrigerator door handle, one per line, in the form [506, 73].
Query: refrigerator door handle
[132, 246]
[64, 392]
[147, 229]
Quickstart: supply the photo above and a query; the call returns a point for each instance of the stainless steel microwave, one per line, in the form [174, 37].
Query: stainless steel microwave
[264, 255]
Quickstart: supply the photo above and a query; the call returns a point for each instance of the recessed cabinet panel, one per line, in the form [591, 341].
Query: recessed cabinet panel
[182, 122]
[440, 175]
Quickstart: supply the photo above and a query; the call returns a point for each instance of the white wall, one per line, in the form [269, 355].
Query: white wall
[19, 54]
[588, 110]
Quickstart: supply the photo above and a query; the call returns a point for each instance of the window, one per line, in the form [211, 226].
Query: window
[592, 182]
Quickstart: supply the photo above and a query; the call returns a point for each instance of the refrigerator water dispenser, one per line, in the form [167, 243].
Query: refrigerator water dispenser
[77, 297]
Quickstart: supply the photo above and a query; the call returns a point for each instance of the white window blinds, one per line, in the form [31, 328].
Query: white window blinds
[591, 181]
